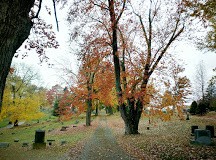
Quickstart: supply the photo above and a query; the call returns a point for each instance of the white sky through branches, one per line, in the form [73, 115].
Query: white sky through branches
[62, 57]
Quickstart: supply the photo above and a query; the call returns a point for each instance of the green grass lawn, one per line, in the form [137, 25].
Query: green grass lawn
[25, 133]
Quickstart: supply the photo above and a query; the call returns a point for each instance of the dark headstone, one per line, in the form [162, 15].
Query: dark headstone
[211, 129]
[4, 144]
[202, 136]
[148, 128]
[39, 136]
[193, 129]
[39, 140]
[25, 144]
[63, 128]
[16, 140]
[13, 133]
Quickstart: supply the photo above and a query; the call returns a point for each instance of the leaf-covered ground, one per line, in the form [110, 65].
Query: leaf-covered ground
[165, 140]
[103, 145]
[105, 139]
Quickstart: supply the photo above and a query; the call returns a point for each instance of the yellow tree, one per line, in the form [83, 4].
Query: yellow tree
[22, 100]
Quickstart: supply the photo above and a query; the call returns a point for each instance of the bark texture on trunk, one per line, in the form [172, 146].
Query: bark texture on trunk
[88, 112]
[15, 26]
[89, 100]
[131, 115]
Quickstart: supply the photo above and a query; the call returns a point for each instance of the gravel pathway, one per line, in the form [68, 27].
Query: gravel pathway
[102, 145]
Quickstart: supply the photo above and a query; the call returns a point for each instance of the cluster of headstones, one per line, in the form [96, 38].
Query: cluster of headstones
[203, 136]
[39, 142]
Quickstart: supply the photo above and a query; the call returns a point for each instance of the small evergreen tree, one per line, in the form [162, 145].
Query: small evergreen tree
[193, 108]
[202, 108]
[55, 108]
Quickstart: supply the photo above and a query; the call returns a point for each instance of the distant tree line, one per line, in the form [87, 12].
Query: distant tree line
[207, 102]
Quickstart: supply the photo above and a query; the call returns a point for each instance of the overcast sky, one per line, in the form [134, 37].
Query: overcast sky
[50, 76]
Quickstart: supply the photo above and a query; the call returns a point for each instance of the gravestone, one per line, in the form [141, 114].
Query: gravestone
[202, 137]
[64, 128]
[50, 141]
[4, 144]
[39, 140]
[193, 129]
[211, 129]
[25, 144]
[16, 140]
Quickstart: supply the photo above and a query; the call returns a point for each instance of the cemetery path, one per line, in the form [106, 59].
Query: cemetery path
[103, 145]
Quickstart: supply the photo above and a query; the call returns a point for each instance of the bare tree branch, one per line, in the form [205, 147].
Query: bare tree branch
[39, 8]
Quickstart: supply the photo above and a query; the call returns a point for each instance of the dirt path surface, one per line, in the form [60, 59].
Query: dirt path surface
[102, 145]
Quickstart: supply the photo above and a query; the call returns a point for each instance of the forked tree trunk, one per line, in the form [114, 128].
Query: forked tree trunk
[15, 26]
[131, 115]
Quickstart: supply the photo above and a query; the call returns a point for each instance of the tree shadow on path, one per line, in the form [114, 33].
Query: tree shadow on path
[103, 145]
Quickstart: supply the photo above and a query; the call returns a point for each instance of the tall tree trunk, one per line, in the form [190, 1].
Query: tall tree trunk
[89, 100]
[130, 114]
[15, 26]
[88, 112]
[96, 110]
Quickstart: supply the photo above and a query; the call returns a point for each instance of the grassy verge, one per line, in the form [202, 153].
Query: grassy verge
[26, 133]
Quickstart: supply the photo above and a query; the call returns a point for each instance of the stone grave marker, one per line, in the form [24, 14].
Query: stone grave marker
[64, 128]
[50, 141]
[202, 137]
[211, 129]
[16, 140]
[25, 144]
[4, 144]
[39, 140]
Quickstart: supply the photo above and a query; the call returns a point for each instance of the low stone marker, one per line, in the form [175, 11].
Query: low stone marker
[64, 128]
[50, 141]
[25, 144]
[211, 129]
[202, 137]
[193, 129]
[16, 140]
[4, 144]
[39, 140]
